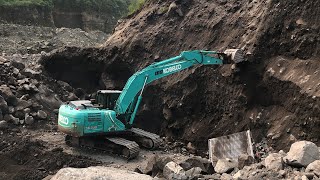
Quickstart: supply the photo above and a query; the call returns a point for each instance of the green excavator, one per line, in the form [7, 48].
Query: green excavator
[106, 122]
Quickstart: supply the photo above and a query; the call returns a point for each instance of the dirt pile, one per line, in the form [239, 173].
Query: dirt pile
[300, 162]
[34, 39]
[274, 95]
[22, 158]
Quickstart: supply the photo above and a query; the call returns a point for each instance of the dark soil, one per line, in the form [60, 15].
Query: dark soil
[22, 158]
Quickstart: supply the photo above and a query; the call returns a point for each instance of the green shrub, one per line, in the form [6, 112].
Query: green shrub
[47, 3]
[135, 5]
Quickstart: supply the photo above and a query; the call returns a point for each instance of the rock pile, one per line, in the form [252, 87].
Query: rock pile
[301, 162]
[24, 97]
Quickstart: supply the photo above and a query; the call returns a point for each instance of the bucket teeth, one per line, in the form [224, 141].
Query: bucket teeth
[235, 55]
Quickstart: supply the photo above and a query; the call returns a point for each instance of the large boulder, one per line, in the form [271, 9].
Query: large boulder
[98, 172]
[274, 161]
[314, 167]
[302, 153]
[225, 165]
[172, 170]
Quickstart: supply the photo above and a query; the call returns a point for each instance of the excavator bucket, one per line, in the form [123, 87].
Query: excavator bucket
[234, 55]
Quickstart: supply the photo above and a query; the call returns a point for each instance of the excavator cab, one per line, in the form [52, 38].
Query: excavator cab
[106, 99]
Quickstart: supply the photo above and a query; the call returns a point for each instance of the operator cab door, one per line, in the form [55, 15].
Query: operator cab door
[93, 123]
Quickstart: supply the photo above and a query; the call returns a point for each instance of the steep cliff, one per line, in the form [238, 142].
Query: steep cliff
[276, 95]
[87, 15]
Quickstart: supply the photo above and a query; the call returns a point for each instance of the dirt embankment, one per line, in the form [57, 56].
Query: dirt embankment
[86, 15]
[269, 95]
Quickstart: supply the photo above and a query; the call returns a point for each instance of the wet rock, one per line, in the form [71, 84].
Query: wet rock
[41, 114]
[314, 167]
[3, 124]
[225, 165]
[172, 170]
[244, 160]
[6, 92]
[302, 153]
[274, 161]
[98, 172]
[28, 119]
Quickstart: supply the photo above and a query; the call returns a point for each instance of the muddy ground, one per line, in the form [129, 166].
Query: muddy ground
[276, 94]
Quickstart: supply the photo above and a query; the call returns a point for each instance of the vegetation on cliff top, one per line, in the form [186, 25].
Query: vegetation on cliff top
[47, 3]
[135, 5]
[96, 5]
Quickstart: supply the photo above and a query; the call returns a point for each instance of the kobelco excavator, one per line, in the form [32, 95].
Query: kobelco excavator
[106, 121]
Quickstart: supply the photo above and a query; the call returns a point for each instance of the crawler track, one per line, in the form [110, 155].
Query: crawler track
[114, 145]
[145, 139]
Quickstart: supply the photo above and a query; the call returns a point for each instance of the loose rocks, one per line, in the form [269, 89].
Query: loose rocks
[314, 167]
[172, 170]
[302, 153]
[274, 161]
[98, 172]
[225, 165]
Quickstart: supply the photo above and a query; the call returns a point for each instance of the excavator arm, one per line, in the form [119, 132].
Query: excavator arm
[127, 104]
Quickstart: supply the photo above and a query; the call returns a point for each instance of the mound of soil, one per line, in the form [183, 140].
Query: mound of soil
[199, 104]
[22, 158]
[34, 39]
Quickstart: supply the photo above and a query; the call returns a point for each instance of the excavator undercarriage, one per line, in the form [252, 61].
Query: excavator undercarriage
[125, 144]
